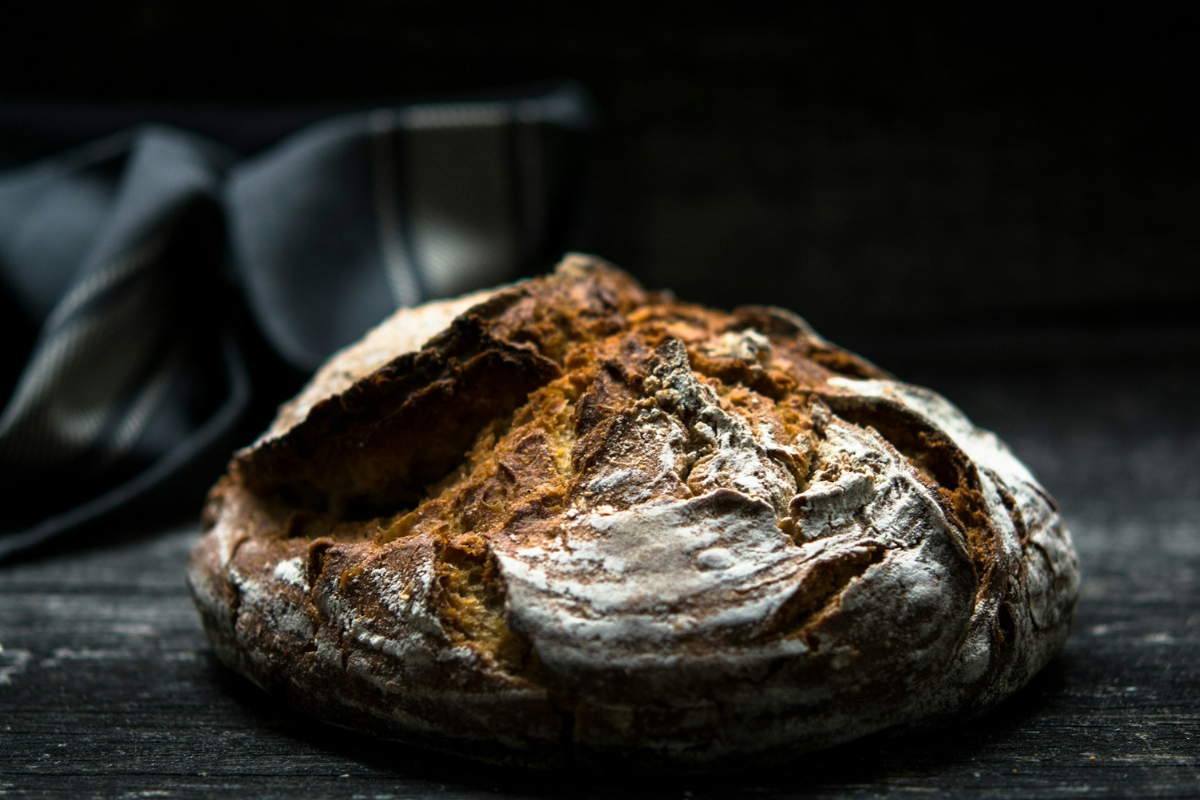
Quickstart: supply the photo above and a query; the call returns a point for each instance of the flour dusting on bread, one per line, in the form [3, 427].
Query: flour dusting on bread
[572, 521]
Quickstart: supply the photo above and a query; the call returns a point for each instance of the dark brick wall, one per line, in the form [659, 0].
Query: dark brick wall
[879, 171]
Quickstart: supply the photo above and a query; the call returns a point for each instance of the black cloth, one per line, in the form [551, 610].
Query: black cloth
[155, 284]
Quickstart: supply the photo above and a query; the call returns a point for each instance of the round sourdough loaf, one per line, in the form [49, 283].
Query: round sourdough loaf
[571, 521]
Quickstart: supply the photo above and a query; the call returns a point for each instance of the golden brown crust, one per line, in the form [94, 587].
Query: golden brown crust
[587, 522]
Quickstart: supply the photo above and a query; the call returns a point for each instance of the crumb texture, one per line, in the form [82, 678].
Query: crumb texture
[571, 521]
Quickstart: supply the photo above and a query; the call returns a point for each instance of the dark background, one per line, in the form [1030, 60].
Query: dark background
[1000, 202]
[884, 171]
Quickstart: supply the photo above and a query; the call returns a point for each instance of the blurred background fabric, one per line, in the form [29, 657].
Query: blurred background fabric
[967, 189]
[164, 284]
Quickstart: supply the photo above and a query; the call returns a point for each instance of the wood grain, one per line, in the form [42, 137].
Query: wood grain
[108, 689]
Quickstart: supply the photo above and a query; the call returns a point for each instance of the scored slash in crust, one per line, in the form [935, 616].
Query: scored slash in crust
[571, 521]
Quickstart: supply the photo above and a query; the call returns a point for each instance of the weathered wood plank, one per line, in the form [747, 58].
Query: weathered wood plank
[107, 687]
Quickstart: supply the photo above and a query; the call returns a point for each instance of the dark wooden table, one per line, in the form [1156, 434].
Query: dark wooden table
[107, 687]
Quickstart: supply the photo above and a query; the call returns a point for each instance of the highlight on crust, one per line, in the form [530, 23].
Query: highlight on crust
[572, 521]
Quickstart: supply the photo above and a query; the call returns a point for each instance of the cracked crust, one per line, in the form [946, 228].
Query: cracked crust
[571, 521]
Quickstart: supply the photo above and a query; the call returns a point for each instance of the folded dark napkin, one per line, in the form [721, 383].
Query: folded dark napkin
[155, 285]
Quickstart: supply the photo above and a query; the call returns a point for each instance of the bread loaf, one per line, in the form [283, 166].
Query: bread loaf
[572, 521]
